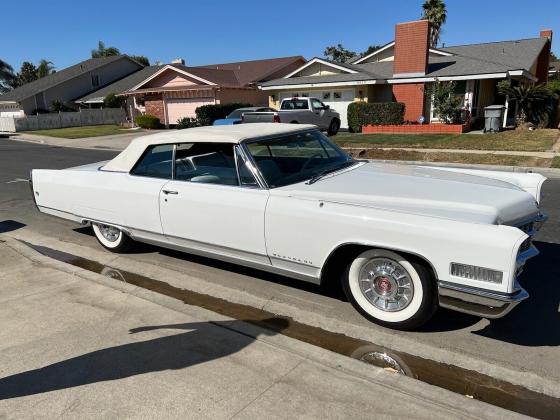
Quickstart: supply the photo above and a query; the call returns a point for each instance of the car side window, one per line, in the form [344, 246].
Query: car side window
[156, 162]
[209, 163]
[317, 104]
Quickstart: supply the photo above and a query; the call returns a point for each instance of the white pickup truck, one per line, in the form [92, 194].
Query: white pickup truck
[299, 110]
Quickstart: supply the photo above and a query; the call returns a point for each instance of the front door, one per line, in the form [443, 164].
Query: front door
[211, 207]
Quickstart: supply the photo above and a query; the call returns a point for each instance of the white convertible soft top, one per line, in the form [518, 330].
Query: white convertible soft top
[124, 161]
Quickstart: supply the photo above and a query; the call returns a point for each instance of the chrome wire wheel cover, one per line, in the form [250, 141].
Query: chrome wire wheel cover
[386, 284]
[110, 233]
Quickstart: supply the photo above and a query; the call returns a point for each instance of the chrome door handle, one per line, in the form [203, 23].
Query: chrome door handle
[170, 192]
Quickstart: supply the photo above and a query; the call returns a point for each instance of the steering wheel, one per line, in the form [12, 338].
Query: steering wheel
[308, 161]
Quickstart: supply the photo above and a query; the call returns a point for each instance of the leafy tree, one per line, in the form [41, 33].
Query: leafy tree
[553, 57]
[113, 101]
[338, 53]
[533, 100]
[142, 59]
[45, 68]
[103, 51]
[6, 76]
[436, 13]
[370, 49]
[446, 105]
[27, 73]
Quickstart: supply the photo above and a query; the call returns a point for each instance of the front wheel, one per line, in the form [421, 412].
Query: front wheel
[390, 290]
[112, 238]
[334, 126]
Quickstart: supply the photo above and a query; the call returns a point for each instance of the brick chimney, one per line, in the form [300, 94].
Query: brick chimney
[411, 60]
[543, 62]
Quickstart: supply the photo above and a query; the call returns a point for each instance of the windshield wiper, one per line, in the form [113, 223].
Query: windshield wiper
[321, 174]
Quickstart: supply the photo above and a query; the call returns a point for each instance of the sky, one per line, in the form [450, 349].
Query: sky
[207, 32]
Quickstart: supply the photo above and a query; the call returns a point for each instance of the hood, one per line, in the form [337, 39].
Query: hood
[422, 191]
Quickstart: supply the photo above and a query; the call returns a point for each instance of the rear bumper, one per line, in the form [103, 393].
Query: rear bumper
[479, 302]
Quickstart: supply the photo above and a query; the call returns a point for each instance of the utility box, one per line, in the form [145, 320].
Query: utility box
[493, 118]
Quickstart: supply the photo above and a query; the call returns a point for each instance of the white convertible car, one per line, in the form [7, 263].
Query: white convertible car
[403, 240]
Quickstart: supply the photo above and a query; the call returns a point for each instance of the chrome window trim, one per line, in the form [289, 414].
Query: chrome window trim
[238, 149]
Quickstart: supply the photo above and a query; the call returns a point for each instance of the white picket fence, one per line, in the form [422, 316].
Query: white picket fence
[63, 119]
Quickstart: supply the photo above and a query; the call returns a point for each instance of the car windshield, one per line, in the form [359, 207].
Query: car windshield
[237, 113]
[296, 157]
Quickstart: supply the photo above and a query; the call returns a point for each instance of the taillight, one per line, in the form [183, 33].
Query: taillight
[276, 118]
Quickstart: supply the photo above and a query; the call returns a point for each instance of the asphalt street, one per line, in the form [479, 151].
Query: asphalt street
[527, 340]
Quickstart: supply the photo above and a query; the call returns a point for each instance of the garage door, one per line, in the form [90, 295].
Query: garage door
[337, 99]
[178, 108]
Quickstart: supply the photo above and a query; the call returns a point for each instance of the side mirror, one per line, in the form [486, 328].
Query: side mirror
[326, 107]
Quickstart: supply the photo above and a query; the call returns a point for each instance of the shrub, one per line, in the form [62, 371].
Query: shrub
[147, 121]
[59, 106]
[187, 122]
[207, 114]
[374, 113]
[113, 101]
[447, 105]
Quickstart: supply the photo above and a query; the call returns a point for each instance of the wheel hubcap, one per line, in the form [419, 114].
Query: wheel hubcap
[386, 284]
[110, 233]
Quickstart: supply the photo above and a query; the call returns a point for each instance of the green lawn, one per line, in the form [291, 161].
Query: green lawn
[468, 158]
[529, 141]
[80, 132]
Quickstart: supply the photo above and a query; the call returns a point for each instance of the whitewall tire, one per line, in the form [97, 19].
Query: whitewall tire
[112, 238]
[389, 289]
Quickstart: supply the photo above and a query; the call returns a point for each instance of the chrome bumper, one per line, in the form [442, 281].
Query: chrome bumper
[479, 302]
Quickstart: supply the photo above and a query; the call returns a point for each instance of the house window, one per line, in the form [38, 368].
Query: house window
[326, 96]
[337, 95]
[94, 80]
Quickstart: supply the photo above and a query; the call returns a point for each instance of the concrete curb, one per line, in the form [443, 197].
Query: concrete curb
[457, 405]
[384, 338]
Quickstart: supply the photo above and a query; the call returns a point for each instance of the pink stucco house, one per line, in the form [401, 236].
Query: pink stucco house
[174, 91]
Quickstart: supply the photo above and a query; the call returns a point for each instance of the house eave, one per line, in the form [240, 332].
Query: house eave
[324, 84]
[318, 60]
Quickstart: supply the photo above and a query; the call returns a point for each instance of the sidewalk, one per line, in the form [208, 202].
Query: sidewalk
[77, 344]
[544, 155]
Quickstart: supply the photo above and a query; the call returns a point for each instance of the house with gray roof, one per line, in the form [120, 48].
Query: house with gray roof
[67, 84]
[403, 68]
[174, 91]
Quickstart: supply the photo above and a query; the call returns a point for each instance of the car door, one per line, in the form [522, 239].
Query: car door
[139, 191]
[214, 205]
[318, 113]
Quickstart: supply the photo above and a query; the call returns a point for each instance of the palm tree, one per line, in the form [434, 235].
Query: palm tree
[45, 68]
[532, 99]
[6, 76]
[435, 12]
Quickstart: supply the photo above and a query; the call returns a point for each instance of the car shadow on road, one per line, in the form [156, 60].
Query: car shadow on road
[534, 322]
[10, 225]
[201, 343]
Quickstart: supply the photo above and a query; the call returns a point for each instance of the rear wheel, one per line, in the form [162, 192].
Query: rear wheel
[334, 126]
[112, 238]
[390, 290]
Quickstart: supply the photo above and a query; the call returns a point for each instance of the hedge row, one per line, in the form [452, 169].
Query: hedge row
[147, 121]
[374, 113]
[207, 114]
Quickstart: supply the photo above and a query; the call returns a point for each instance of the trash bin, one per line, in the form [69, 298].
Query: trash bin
[493, 118]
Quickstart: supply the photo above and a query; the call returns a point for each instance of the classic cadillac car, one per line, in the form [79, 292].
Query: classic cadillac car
[402, 239]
